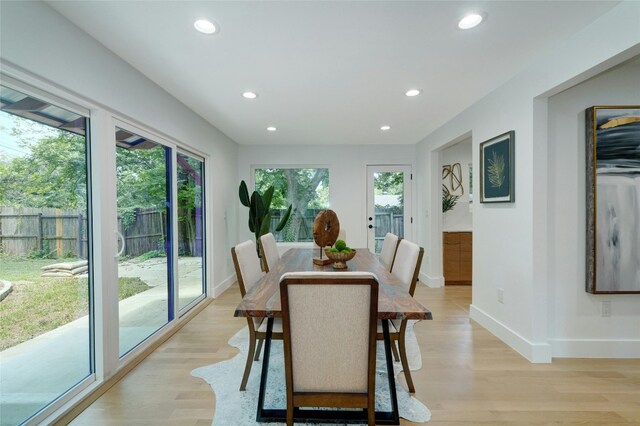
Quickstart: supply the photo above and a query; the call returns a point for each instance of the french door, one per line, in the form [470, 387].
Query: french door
[388, 203]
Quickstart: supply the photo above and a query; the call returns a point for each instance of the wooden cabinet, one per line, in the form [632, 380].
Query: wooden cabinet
[457, 257]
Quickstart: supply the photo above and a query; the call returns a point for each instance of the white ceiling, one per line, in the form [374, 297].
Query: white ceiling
[329, 72]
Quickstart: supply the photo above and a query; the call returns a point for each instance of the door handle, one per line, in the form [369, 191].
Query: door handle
[371, 226]
[370, 219]
[119, 236]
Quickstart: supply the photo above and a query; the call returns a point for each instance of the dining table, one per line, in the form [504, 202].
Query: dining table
[394, 302]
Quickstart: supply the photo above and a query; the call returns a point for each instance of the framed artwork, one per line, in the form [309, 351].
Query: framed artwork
[497, 167]
[613, 199]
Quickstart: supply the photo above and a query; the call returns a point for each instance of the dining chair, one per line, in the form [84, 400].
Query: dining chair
[406, 267]
[269, 251]
[329, 324]
[248, 273]
[388, 251]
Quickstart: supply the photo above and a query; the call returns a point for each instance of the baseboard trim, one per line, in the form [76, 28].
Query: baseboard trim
[433, 282]
[222, 286]
[534, 352]
[595, 348]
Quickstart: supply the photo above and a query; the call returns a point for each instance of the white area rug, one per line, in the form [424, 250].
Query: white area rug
[239, 408]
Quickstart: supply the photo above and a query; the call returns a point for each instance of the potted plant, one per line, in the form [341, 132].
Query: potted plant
[260, 213]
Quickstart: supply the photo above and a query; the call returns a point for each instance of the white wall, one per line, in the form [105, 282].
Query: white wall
[512, 241]
[576, 327]
[460, 217]
[40, 41]
[347, 177]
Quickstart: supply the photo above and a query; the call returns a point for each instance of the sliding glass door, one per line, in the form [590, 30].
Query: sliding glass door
[45, 263]
[143, 169]
[191, 282]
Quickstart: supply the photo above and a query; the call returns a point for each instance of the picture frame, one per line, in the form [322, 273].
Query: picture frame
[497, 169]
[612, 199]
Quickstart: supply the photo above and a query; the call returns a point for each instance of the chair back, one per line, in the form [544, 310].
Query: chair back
[406, 265]
[247, 265]
[388, 251]
[269, 250]
[329, 323]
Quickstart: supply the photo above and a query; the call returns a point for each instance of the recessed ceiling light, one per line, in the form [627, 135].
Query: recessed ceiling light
[205, 26]
[272, 128]
[249, 95]
[470, 21]
[413, 92]
[385, 127]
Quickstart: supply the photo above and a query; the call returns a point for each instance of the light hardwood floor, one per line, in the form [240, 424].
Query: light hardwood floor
[469, 377]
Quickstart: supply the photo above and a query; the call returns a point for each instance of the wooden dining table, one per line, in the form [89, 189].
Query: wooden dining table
[394, 302]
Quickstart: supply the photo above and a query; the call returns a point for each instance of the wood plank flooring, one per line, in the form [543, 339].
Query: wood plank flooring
[469, 377]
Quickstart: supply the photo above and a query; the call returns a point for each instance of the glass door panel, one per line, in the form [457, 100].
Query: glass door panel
[144, 272]
[388, 203]
[45, 285]
[191, 283]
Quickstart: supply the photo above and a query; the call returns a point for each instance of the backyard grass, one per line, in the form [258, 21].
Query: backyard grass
[37, 304]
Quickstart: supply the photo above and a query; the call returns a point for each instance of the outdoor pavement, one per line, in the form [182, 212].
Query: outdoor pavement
[35, 372]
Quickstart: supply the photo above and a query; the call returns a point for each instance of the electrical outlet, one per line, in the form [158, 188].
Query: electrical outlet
[605, 308]
[501, 295]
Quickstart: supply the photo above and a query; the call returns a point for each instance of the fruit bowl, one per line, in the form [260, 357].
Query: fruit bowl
[340, 258]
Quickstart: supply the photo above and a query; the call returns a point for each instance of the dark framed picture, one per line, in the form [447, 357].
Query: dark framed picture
[497, 168]
[613, 199]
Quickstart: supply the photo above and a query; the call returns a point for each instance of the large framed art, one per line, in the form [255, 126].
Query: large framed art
[497, 168]
[613, 199]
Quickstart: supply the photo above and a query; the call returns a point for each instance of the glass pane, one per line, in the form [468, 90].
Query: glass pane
[191, 283]
[143, 223]
[307, 190]
[389, 205]
[45, 303]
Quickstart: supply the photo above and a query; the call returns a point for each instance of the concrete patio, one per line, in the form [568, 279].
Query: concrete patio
[37, 371]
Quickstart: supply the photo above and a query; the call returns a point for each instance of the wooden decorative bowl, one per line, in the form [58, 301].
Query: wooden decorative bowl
[340, 259]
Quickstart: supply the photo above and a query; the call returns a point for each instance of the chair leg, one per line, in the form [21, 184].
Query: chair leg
[403, 357]
[247, 367]
[395, 351]
[257, 357]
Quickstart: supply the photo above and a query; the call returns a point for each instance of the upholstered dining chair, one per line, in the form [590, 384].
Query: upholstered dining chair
[388, 251]
[248, 273]
[269, 251]
[329, 322]
[406, 267]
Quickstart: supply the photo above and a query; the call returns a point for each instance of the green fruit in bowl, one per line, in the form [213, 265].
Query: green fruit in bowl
[340, 245]
[333, 250]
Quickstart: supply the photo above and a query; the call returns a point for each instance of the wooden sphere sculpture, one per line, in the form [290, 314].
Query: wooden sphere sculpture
[326, 228]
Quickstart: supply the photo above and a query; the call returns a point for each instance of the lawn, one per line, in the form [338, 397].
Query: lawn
[37, 304]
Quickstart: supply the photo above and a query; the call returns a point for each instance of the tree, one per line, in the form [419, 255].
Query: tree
[51, 174]
[302, 188]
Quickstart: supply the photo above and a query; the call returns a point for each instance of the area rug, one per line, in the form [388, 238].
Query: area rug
[239, 408]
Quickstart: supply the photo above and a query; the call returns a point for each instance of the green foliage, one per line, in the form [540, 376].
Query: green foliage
[51, 174]
[448, 200]
[260, 210]
[43, 253]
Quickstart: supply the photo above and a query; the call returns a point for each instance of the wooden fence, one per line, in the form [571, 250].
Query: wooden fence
[48, 232]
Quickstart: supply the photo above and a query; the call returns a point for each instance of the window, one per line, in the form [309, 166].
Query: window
[45, 262]
[307, 190]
